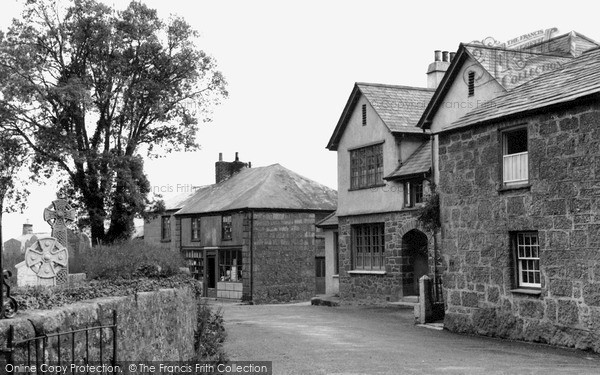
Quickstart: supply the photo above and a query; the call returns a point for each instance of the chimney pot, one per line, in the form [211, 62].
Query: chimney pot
[452, 54]
[220, 156]
[445, 56]
[236, 157]
[437, 55]
[249, 164]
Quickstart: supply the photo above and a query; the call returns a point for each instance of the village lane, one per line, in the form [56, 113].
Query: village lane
[304, 339]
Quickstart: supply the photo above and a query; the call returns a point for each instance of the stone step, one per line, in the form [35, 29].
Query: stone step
[412, 299]
[325, 301]
[403, 304]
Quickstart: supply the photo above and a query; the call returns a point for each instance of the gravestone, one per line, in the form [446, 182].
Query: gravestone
[48, 258]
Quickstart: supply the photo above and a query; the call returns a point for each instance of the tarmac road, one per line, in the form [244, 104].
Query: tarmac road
[304, 339]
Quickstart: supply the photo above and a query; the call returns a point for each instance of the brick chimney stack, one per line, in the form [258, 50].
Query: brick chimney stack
[437, 68]
[226, 169]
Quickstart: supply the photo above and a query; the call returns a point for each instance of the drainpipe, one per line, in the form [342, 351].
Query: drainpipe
[435, 244]
[251, 255]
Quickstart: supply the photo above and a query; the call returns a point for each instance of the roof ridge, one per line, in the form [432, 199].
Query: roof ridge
[395, 86]
[513, 50]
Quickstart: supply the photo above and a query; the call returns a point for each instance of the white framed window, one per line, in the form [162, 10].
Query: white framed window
[413, 193]
[515, 157]
[527, 257]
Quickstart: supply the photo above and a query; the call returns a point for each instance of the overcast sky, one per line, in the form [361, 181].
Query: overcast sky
[291, 67]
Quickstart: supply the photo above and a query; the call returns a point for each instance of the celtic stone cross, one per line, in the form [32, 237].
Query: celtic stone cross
[58, 214]
[47, 258]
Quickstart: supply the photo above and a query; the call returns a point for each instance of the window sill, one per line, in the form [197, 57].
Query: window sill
[367, 187]
[193, 240]
[366, 272]
[526, 186]
[336, 276]
[165, 241]
[532, 292]
[413, 208]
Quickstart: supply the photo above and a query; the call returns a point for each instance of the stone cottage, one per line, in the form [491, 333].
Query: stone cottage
[519, 183]
[160, 227]
[252, 235]
[377, 246]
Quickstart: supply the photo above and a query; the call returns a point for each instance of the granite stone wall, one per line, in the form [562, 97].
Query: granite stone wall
[562, 204]
[393, 284]
[284, 250]
[151, 326]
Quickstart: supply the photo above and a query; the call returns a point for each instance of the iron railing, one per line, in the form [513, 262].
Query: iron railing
[38, 350]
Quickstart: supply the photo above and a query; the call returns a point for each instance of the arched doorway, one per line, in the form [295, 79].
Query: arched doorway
[414, 261]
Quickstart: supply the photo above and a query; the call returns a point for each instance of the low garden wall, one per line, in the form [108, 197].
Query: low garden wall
[155, 325]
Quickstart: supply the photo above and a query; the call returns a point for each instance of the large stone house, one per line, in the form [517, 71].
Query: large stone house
[252, 235]
[518, 165]
[384, 164]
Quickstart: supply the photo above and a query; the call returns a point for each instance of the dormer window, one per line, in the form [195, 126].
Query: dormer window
[364, 114]
[471, 83]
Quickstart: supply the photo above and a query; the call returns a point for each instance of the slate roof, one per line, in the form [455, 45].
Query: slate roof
[569, 44]
[177, 201]
[271, 187]
[503, 63]
[399, 107]
[500, 62]
[330, 221]
[578, 78]
[418, 163]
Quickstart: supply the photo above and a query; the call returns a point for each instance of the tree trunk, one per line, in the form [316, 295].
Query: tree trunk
[97, 217]
[122, 215]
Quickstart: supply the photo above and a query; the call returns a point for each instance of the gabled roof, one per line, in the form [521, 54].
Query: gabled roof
[577, 78]
[417, 164]
[523, 64]
[272, 187]
[495, 60]
[462, 54]
[399, 107]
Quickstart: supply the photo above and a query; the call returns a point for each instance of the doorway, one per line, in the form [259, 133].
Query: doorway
[211, 276]
[320, 275]
[414, 261]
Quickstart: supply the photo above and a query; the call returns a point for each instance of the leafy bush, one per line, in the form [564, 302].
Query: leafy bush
[429, 214]
[130, 259]
[38, 297]
[210, 334]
